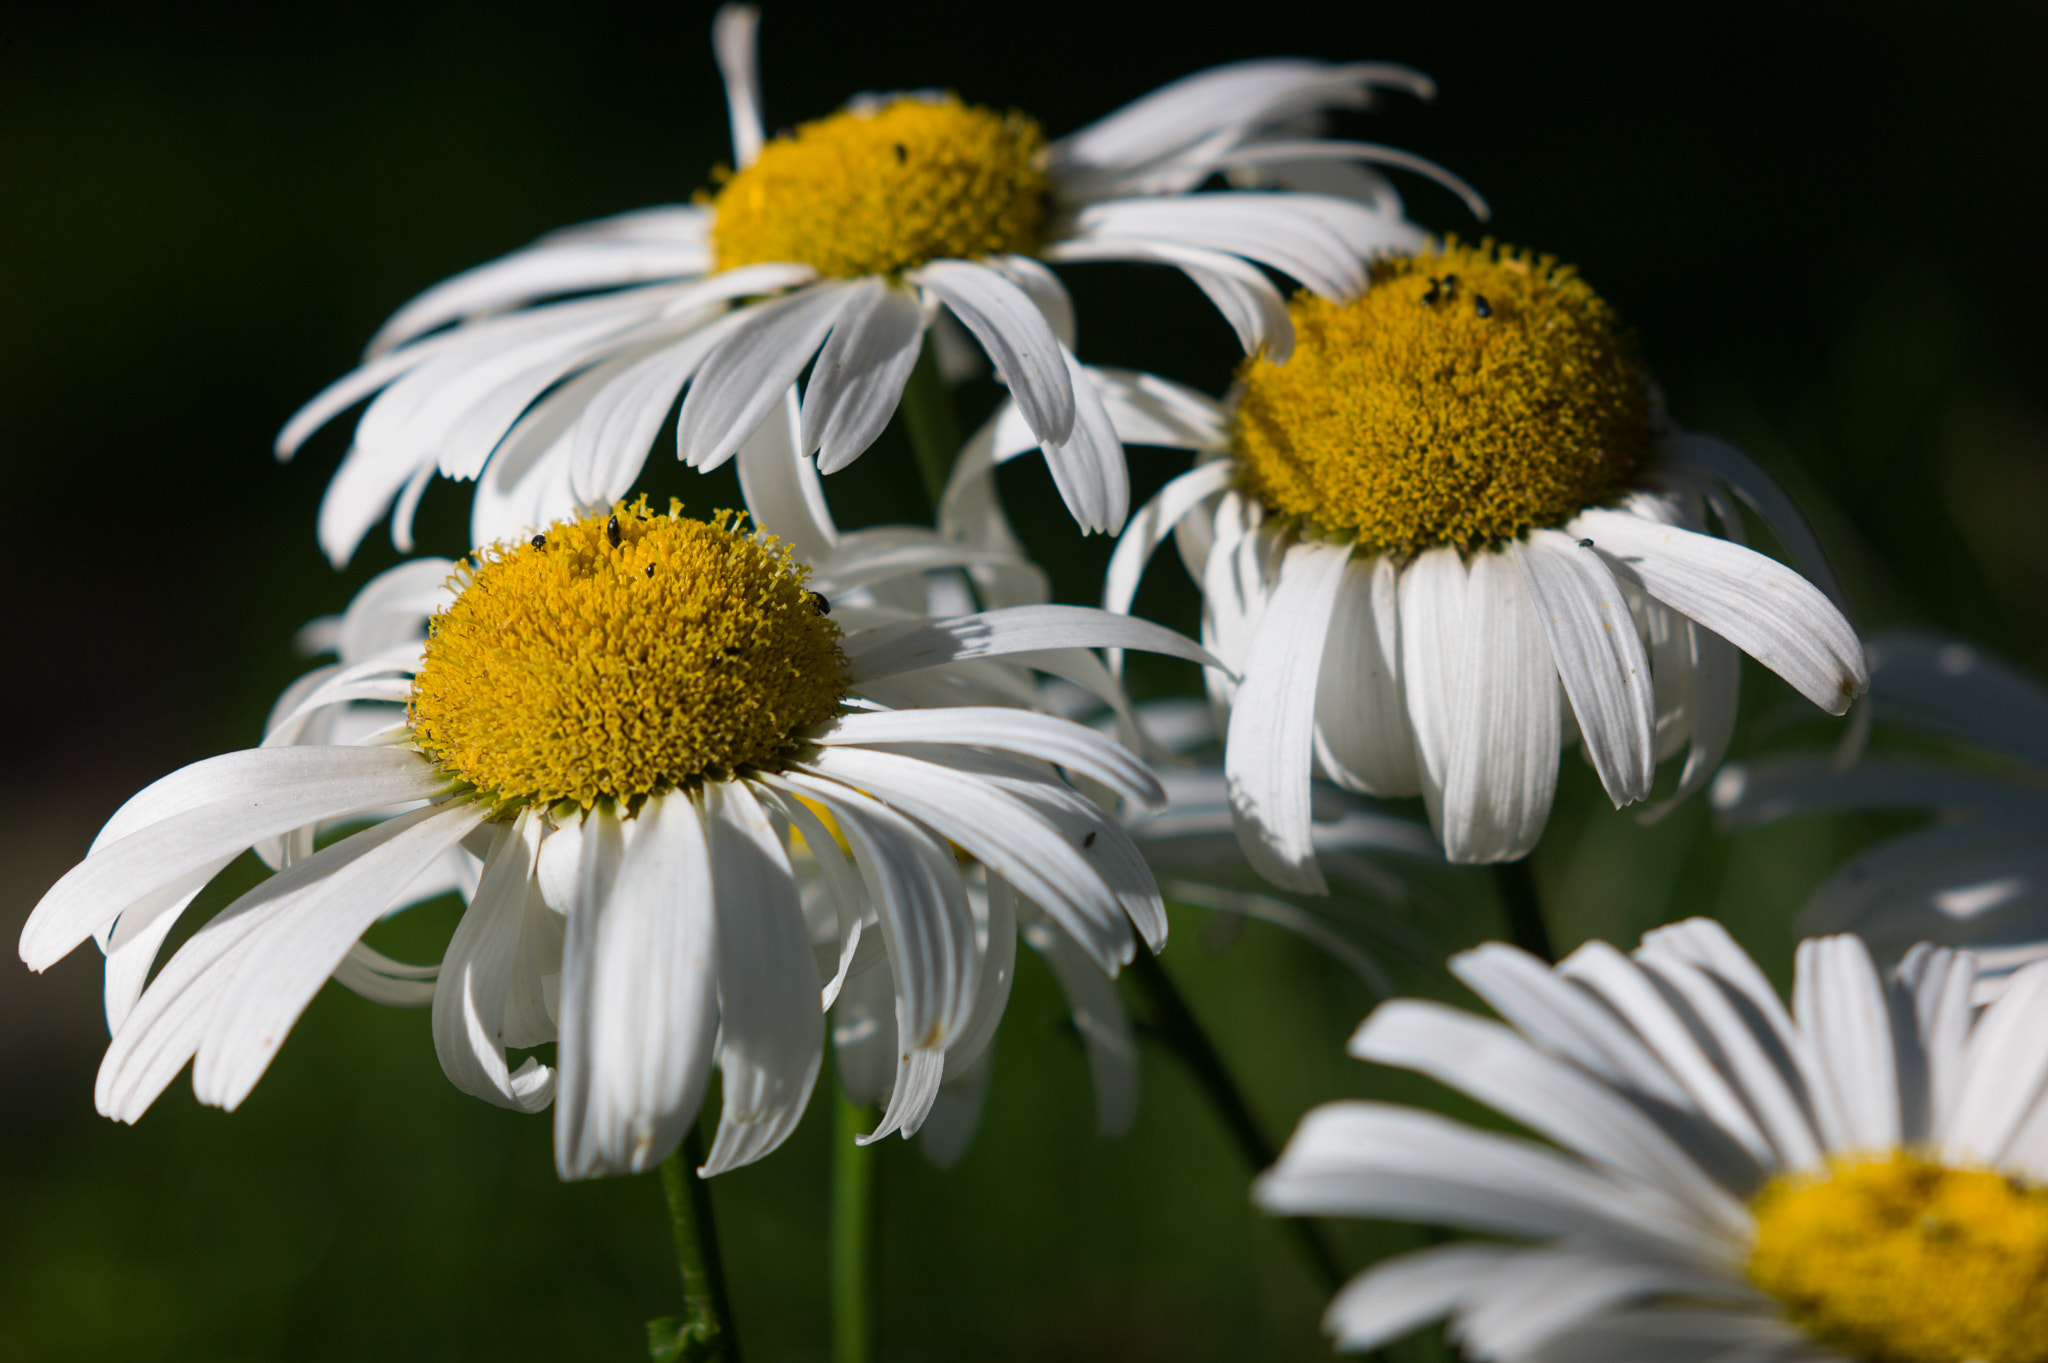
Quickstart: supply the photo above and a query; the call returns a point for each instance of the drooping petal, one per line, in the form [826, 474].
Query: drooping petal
[741, 381]
[1504, 721]
[1268, 754]
[476, 977]
[859, 377]
[639, 1004]
[920, 902]
[1016, 336]
[1019, 843]
[1756, 603]
[1593, 643]
[771, 1035]
[1364, 740]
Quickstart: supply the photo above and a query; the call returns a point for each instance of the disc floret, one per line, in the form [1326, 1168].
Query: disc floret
[1468, 394]
[1899, 1259]
[623, 654]
[882, 190]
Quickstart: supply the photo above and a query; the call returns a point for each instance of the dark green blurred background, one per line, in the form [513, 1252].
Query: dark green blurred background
[1825, 221]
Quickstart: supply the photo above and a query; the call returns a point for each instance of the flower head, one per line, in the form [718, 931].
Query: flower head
[1455, 501]
[1861, 1176]
[623, 726]
[547, 375]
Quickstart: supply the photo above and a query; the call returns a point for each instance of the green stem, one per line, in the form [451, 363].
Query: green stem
[934, 427]
[1175, 1024]
[704, 1332]
[853, 1233]
[1522, 906]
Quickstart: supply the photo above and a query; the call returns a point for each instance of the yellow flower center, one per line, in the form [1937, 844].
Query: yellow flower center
[880, 191]
[616, 656]
[1896, 1259]
[1467, 395]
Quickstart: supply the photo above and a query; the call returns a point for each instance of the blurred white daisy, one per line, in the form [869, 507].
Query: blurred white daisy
[1864, 1176]
[547, 374]
[1977, 876]
[1452, 534]
[627, 720]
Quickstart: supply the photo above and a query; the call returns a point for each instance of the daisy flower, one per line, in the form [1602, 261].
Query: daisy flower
[1864, 1176]
[628, 719]
[1977, 876]
[1452, 534]
[547, 374]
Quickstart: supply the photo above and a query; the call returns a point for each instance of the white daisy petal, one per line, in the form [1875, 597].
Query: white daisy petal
[1018, 843]
[887, 650]
[733, 40]
[370, 974]
[1540, 1294]
[1941, 982]
[2004, 1071]
[1551, 1097]
[771, 1035]
[742, 380]
[781, 487]
[1247, 299]
[476, 978]
[1397, 1295]
[1722, 460]
[858, 379]
[639, 1003]
[544, 270]
[1088, 466]
[304, 924]
[1258, 153]
[128, 965]
[1598, 656]
[1757, 604]
[1716, 669]
[1626, 987]
[1372, 1159]
[1275, 230]
[1562, 1019]
[955, 1115]
[1044, 288]
[1268, 753]
[1043, 737]
[1150, 527]
[1504, 725]
[1766, 1070]
[919, 1073]
[205, 814]
[1839, 1003]
[998, 972]
[1016, 336]
[1228, 100]
[1363, 739]
[1432, 605]
[532, 995]
[922, 906]
[616, 429]
[864, 1035]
